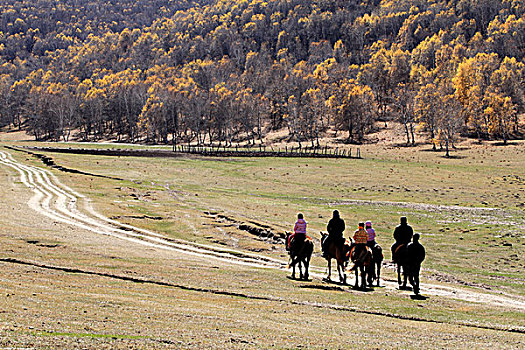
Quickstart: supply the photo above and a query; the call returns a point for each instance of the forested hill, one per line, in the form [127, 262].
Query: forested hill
[207, 71]
[30, 28]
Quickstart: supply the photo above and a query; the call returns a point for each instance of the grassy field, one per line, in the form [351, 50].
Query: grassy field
[469, 210]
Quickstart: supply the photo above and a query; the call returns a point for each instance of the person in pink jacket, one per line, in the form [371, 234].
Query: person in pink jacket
[299, 230]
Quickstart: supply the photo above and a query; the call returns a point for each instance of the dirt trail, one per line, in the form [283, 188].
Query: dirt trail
[59, 202]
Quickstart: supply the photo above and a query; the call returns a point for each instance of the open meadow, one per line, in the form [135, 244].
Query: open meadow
[188, 252]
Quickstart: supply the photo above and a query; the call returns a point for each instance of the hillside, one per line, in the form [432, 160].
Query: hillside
[225, 71]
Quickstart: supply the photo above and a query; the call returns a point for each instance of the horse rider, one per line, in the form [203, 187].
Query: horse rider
[335, 228]
[299, 231]
[416, 252]
[360, 238]
[371, 241]
[402, 234]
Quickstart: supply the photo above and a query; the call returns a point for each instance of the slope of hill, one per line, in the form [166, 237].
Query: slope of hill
[221, 71]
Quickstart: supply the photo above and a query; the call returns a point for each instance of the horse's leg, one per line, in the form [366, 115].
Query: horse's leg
[415, 277]
[378, 272]
[306, 266]
[399, 274]
[370, 273]
[341, 271]
[293, 267]
[405, 276]
[300, 269]
[329, 269]
[373, 269]
[411, 280]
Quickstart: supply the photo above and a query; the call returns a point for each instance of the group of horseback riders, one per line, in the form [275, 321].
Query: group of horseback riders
[362, 249]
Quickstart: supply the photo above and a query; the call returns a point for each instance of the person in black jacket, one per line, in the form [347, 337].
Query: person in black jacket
[335, 228]
[416, 255]
[402, 234]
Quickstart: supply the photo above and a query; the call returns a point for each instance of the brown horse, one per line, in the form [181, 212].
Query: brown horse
[339, 252]
[364, 263]
[400, 258]
[300, 254]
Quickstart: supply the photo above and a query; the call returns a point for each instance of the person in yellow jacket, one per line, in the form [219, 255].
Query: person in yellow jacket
[360, 239]
[360, 235]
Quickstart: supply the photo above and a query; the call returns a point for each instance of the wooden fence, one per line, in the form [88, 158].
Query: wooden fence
[208, 151]
[263, 151]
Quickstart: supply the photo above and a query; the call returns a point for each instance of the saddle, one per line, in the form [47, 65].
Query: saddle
[296, 244]
[339, 241]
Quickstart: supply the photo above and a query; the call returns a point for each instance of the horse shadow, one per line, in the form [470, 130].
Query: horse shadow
[299, 279]
[363, 289]
[418, 297]
[339, 283]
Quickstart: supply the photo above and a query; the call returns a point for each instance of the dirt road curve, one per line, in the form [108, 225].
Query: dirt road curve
[61, 203]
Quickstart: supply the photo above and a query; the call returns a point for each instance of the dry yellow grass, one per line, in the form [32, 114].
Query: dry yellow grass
[189, 301]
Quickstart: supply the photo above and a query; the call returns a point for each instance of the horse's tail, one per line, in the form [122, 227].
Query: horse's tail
[349, 252]
[309, 248]
[369, 257]
[379, 252]
[290, 261]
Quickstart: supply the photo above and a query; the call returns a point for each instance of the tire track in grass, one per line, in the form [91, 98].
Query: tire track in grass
[59, 202]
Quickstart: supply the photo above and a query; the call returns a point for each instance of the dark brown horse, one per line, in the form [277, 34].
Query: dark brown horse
[363, 263]
[339, 252]
[400, 258]
[377, 255]
[300, 254]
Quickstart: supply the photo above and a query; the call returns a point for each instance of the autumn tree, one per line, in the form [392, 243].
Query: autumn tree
[350, 105]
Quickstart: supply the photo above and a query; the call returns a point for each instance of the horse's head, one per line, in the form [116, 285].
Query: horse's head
[323, 234]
